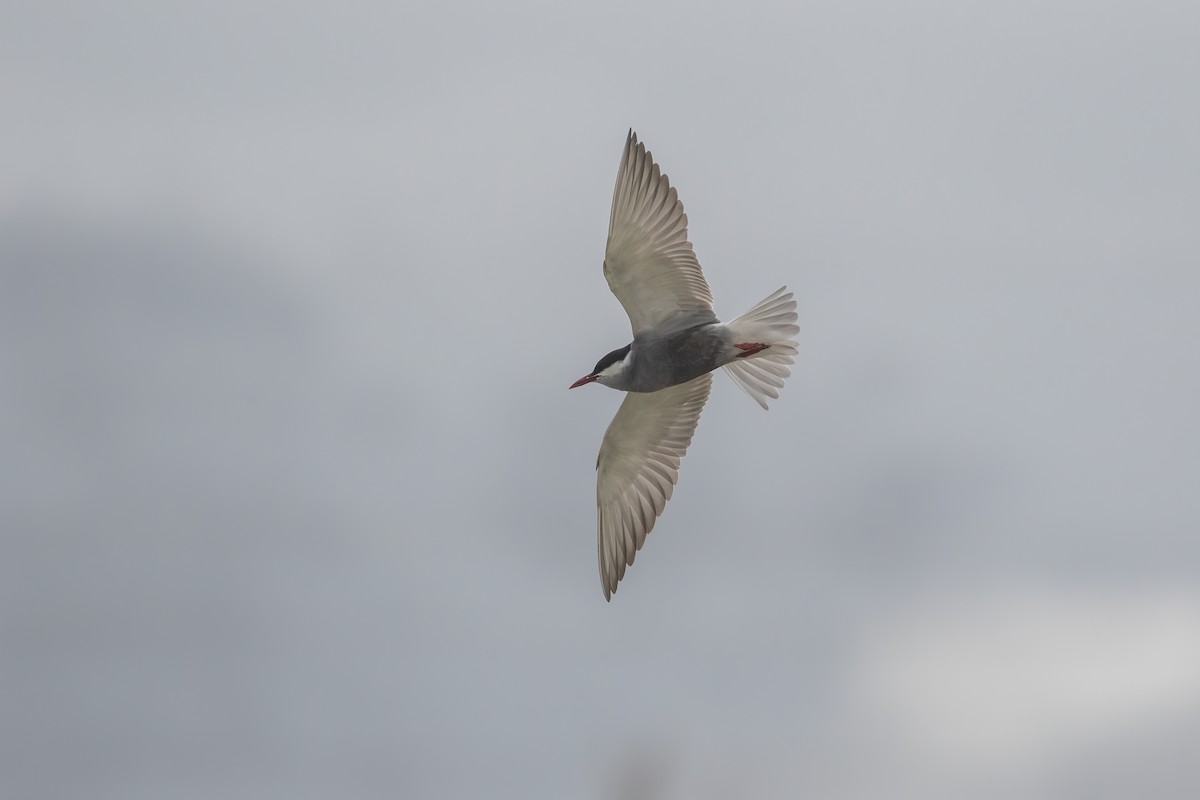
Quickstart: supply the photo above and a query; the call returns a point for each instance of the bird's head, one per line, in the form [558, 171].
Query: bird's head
[607, 369]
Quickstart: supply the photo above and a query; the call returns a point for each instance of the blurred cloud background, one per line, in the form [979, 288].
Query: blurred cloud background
[295, 502]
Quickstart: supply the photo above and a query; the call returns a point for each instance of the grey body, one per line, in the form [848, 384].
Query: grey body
[657, 361]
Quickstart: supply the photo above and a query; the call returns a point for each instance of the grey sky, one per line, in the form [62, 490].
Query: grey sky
[295, 502]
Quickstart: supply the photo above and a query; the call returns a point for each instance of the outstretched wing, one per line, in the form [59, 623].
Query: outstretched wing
[649, 262]
[638, 467]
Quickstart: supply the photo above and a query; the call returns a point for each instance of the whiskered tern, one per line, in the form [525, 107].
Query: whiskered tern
[677, 342]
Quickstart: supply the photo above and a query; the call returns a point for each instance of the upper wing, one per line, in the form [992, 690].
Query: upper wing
[649, 262]
[638, 467]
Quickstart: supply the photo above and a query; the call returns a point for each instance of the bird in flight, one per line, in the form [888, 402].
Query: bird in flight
[666, 370]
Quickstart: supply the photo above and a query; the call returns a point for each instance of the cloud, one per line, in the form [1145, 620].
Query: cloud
[1018, 677]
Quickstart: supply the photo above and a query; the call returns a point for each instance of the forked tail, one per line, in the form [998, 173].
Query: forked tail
[772, 322]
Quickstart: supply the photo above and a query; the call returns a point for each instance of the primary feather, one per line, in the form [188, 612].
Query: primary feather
[638, 467]
[649, 262]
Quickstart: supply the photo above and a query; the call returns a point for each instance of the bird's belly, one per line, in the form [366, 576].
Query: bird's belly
[673, 362]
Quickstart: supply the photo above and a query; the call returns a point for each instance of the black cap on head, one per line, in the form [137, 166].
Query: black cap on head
[611, 358]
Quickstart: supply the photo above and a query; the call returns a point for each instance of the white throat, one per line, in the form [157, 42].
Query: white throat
[611, 375]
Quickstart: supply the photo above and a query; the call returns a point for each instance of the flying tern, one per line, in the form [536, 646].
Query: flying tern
[666, 370]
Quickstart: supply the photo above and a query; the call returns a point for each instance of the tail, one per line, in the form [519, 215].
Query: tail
[772, 322]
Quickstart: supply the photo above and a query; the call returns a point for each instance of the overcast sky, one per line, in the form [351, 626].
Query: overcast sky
[295, 502]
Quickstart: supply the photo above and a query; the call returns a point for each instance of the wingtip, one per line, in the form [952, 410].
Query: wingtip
[631, 144]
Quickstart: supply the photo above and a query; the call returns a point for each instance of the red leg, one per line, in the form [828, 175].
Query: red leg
[750, 348]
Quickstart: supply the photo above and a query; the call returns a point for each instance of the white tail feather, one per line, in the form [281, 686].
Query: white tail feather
[771, 322]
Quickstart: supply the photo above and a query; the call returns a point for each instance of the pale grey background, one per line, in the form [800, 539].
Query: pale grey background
[295, 502]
